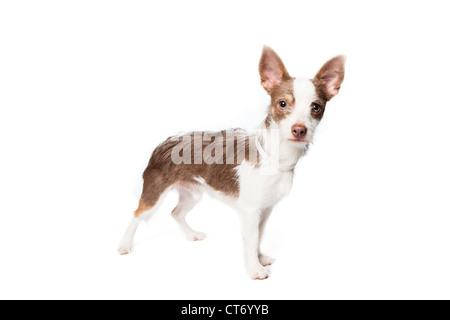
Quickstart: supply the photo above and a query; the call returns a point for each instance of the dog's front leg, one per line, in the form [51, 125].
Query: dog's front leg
[250, 222]
[265, 260]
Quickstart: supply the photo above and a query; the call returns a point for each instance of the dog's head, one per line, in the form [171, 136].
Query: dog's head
[298, 104]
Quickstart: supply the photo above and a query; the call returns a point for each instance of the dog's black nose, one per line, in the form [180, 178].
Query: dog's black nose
[298, 131]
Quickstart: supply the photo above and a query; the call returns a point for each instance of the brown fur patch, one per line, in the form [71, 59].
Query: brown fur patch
[283, 92]
[321, 100]
[162, 172]
[321, 94]
[318, 115]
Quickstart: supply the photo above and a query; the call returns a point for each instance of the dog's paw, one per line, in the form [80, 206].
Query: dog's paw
[125, 248]
[266, 260]
[196, 236]
[259, 273]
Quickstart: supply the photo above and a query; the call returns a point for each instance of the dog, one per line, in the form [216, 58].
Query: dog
[251, 171]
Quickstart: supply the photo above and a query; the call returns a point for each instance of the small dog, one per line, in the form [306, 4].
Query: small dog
[251, 171]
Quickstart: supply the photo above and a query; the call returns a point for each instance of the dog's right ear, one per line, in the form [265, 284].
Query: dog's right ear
[271, 70]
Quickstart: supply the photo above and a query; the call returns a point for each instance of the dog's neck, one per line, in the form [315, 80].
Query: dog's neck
[276, 152]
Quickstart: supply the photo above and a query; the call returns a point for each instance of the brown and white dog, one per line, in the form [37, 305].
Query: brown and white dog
[251, 171]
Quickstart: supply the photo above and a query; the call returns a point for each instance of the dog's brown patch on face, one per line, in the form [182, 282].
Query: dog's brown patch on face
[320, 92]
[283, 92]
[321, 100]
[318, 115]
[162, 172]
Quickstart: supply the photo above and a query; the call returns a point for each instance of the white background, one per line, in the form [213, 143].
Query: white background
[89, 88]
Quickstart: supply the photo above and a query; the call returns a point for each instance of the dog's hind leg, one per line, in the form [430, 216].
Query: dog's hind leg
[152, 197]
[143, 213]
[188, 198]
[126, 244]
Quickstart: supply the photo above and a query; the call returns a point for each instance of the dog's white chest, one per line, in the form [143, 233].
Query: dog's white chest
[279, 187]
[284, 183]
[256, 188]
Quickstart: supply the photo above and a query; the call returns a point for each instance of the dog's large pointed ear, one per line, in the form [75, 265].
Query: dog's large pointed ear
[271, 70]
[330, 77]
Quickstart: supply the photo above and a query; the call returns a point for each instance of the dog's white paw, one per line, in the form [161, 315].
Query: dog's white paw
[196, 236]
[125, 248]
[266, 260]
[259, 273]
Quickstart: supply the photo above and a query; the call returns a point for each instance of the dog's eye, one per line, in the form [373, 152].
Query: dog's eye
[316, 107]
[283, 104]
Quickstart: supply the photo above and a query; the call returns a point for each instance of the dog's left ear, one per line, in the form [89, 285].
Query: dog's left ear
[330, 77]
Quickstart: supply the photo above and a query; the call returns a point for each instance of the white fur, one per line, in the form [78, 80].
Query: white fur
[126, 244]
[188, 198]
